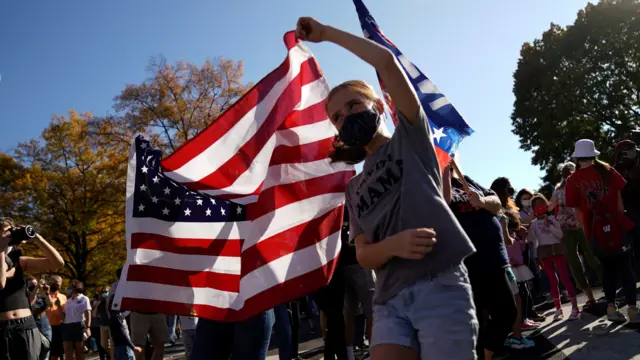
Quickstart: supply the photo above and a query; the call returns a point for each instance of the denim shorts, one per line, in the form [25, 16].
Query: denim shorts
[435, 316]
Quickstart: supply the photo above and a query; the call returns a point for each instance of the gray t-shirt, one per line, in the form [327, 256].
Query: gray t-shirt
[400, 188]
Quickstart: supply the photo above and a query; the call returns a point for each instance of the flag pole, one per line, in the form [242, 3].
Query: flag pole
[456, 169]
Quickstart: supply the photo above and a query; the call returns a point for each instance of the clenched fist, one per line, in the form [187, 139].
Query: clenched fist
[308, 29]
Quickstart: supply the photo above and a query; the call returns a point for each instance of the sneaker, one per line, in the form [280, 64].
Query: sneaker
[558, 315]
[537, 317]
[519, 343]
[614, 315]
[575, 314]
[633, 316]
[529, 325]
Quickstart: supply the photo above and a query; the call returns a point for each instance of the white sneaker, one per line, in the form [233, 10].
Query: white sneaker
[558, 315]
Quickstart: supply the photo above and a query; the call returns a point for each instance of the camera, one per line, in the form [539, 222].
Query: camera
[31, 287]
[20, 234]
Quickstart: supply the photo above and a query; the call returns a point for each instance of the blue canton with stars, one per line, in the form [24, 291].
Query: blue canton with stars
[448, 127]
[157, 196]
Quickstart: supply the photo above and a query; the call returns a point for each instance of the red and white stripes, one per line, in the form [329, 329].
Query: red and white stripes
[270, 150]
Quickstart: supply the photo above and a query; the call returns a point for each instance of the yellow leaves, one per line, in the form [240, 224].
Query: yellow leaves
[181, 100]
[71, 180]
[74, 182]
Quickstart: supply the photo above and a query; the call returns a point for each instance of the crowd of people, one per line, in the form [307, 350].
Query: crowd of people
[434, 264]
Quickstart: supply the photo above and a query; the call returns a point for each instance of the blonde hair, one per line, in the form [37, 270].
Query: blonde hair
[357, 86]
[341, 152]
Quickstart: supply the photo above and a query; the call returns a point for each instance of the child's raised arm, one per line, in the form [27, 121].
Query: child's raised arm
[392, 75]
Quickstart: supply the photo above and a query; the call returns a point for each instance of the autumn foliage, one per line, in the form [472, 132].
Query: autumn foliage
[70, 182]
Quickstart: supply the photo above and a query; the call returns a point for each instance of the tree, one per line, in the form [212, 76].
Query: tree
[181, 100]
[582, 81]
[11, 205]
[75, 186]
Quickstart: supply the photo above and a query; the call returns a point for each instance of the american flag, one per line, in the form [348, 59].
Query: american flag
[245, 216]
[447, 126]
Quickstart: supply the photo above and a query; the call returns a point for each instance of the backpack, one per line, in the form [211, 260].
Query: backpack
[607, 235]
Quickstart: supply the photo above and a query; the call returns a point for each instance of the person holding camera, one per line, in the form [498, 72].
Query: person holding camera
[19, 335]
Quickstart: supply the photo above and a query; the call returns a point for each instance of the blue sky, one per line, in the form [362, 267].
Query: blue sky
[57, 55]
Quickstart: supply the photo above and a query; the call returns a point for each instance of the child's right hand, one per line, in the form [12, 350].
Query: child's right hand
[137, 349]
[309, 29]
[413, 243]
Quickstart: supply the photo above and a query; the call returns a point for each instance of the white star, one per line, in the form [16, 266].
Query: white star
[187, 212]
[143, 187]
[213, 201]
[177, 201]
[198, 201]
[239, 210]
[154, 199]
[208, 212]
[141, 207]
[438, 134]
[156, 179]
[167, 191]
[165, 211]
[144, 169]
[222, 211]
[143, 145]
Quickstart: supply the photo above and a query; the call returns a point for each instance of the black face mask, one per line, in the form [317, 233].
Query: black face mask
[512, 191]
[54, 287]
[359, 129]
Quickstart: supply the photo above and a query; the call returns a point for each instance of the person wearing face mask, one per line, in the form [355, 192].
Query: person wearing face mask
[523, 202]
[423, 305]
[76, 327]
[20, 338]
[101, 326]
[476, 208]
[545, 233]
[55, 314]
[574, 237]
[628, 165]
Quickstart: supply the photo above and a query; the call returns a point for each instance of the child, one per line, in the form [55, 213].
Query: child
[545, 234]
[416, 274]
[521, 270]
[516, 340]
[123, 348]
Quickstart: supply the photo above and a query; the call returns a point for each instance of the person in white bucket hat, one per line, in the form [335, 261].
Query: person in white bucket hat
[585, 149]
[574, 237]
[594, 190]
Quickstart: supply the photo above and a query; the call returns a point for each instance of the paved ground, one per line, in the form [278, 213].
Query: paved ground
[591, 337]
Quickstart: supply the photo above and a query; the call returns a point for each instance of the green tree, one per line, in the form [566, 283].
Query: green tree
[582, 81]
[75, 186]
[12, 205]
[181, 100]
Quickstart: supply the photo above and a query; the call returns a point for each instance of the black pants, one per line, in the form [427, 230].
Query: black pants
[295, 328]
[618, 268]
[491, 292]
[19, 339]
[57, 348]
[96, 335]
[330, 300]
[527, 300]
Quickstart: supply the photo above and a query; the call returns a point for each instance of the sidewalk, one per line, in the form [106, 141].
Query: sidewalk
[591, 337]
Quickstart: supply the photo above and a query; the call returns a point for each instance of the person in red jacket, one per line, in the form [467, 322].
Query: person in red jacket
[594, 190]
